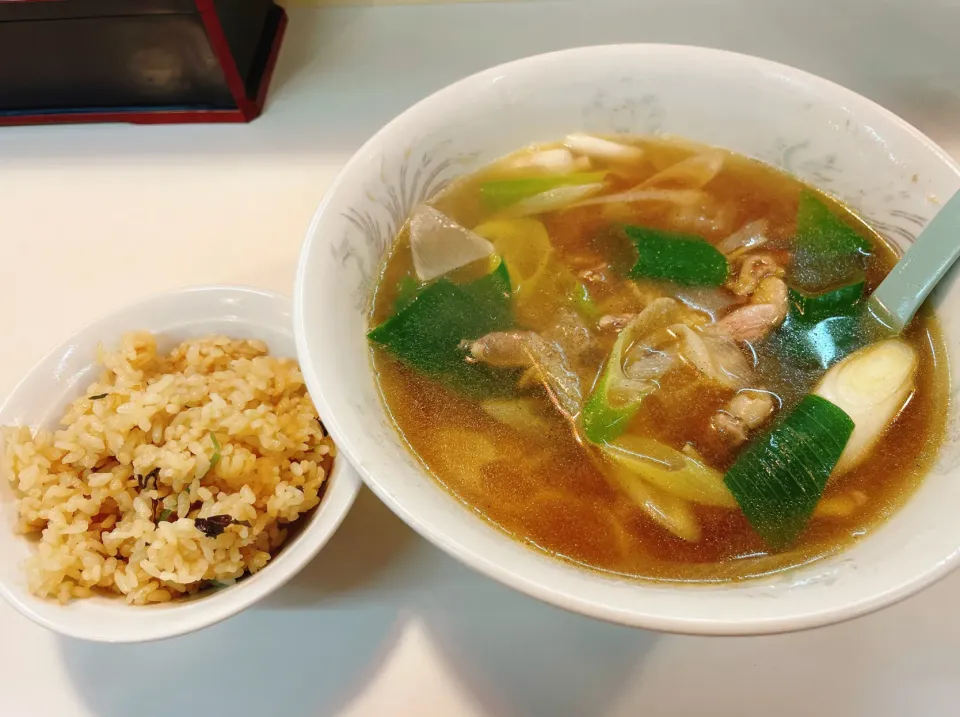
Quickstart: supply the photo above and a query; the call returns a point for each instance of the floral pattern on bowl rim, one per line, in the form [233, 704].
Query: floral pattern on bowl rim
[872, 161]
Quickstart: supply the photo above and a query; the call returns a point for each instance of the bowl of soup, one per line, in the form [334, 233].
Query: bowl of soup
[596, 323]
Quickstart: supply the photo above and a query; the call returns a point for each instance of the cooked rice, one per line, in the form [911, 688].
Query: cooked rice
[108, 520]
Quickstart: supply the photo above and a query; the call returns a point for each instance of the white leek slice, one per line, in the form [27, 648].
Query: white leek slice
[439, 245]
[871, 386]
[552, 200]
[670, 470]
[604, 149]
[668, 511]
[553, 161]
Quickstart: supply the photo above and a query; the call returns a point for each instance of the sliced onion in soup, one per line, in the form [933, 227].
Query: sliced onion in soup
[714, 355]
[439, 245]
[749, 236]
[691, 173]
[521, 414]
[710, 300]
[647, 364]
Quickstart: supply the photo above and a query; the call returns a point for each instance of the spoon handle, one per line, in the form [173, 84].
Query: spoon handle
[899, 295]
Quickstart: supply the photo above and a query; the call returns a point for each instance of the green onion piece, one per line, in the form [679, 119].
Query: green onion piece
[164, 514]
[603, 419]
[407, 289]
[501, 193]
[827, 250]
[779, 479]
[812, 308]
[819, 345]
[819, 229]
[616, 398]
[812, 347]
[585, 306]
[98, 396]
[427, 333]
[686, 259]
[216, 450]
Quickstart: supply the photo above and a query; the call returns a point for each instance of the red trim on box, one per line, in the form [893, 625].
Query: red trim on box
[221, 48]
[134, 117]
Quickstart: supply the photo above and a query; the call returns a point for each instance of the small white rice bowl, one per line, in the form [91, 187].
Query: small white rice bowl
[158, 480]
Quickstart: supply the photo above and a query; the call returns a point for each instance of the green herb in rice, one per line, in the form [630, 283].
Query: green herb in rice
[215, 458]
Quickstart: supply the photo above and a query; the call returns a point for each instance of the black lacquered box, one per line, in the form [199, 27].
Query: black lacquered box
[143, 61]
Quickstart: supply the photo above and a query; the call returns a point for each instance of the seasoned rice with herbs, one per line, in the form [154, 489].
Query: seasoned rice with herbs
[174, 472]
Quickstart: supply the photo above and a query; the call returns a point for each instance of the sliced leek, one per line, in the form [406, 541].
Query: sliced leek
[872, 386]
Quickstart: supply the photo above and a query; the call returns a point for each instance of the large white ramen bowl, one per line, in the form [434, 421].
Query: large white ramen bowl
[39, 402]
[828, 136]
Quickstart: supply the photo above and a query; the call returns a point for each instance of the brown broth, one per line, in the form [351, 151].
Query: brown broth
[543, 489]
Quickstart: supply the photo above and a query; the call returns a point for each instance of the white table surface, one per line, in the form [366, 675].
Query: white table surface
[381, 623]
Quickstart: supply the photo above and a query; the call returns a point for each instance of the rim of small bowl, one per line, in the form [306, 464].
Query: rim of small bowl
[180, 617]
[509, 576]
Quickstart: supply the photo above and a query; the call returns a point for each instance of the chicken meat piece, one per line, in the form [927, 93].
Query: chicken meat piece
[615, 322]
[543, 359]
[745, 412]
[754, 269]
[766, 311]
